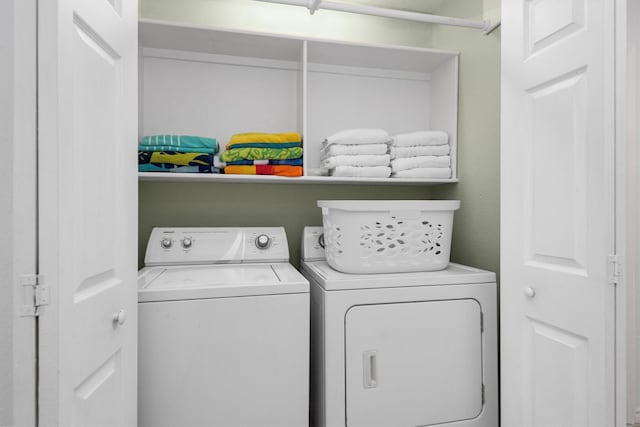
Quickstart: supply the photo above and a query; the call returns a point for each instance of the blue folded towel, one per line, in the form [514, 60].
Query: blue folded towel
[167, 167]
[179, 143]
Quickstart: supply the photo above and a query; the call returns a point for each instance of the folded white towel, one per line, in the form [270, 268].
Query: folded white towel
[316, 172]
[347, 150]
[420, 162]
[419, 150]
[358, 136]
[359, 160]
[361, 171]
[425, 137]
[434, 173]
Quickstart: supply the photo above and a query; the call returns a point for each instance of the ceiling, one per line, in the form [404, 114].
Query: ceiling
[423, 6]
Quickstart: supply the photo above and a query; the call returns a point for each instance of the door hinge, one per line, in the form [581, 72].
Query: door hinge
[481, 322]
[615, 270]
[35, 294]
[482, 394]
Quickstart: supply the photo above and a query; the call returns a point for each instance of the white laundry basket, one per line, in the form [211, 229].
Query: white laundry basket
[387, 236]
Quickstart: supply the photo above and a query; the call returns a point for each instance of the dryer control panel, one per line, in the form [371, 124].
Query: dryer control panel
[216, 245]
[312, 245]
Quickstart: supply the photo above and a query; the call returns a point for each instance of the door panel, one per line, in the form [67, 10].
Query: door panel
[88, 211]
[555, 378]
[556, 172]
[411, 364]
[557, 211]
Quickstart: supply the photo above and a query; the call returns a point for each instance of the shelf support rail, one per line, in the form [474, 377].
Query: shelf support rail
[314, 5]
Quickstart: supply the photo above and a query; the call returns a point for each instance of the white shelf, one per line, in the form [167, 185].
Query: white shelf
[267, 179]
[215, 82]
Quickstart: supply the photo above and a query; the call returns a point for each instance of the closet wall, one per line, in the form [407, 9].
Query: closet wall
[294, 206]
[476, 235]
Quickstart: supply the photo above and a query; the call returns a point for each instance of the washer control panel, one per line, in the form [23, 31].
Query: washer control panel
[213, 245]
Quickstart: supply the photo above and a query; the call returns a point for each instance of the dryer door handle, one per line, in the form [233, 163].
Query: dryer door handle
[370, 368]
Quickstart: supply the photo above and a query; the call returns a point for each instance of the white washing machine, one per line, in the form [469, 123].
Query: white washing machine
[401, 349]
[223, 330]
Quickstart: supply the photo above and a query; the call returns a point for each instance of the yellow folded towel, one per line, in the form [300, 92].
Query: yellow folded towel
[264, 138]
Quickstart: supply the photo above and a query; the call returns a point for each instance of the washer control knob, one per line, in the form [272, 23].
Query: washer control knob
[165, 243]
[263, 241]
[187, 242]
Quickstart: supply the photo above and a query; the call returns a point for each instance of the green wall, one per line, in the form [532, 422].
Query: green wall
[217, 205]
[476, 229]
[476, 237]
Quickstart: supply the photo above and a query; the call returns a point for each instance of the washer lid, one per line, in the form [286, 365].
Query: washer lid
[454, 274]
[218, 281]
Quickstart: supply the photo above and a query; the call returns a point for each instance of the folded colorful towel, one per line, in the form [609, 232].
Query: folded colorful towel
[264, 145]
[361, 171]
[426, 137]
[175, 149]
[419, 150]
[358, 160]
[279, 170]
[347, 150]
[262, 140]
[358, 136]
[420, 162]
[434, 173]
[261, 153]
[178, 143]
[166, 167]
[175, 158]
[290, 162]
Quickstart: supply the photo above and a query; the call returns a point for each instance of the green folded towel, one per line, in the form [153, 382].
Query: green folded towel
[235, 154]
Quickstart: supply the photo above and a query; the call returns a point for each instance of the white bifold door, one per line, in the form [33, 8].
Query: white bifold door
[557, 213]
[414, 363]
[87, 204]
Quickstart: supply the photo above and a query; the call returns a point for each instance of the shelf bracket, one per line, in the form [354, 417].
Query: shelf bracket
[313, 5]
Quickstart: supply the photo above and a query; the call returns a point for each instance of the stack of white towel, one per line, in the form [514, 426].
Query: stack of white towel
[423, 154]
[357, 153]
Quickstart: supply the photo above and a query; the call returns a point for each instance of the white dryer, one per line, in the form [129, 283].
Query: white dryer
[223, 330]
[401, 350]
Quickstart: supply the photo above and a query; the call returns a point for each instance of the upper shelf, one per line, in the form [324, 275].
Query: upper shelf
[166, 35]
[218, 82]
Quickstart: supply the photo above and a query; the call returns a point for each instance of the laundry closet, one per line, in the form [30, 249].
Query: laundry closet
[408, 85]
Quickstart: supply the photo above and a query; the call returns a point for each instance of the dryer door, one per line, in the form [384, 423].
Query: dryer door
[413, 364]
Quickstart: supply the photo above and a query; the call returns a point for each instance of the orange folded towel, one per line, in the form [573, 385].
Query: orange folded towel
[279, 170]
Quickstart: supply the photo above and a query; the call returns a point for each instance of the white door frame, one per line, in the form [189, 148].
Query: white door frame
[627, 222]
[18, 213]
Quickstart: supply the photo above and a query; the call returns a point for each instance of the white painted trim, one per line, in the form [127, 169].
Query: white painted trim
[270, 179]
[18, 214]
[629, 136]
[624, 206]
